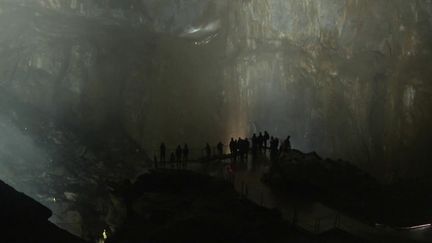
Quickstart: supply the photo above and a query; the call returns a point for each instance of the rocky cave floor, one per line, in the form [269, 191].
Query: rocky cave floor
[167, 205]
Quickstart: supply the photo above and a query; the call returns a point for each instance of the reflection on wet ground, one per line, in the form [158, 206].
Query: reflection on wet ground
[310, 216]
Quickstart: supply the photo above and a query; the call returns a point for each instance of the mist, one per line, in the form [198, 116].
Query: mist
[348, 79]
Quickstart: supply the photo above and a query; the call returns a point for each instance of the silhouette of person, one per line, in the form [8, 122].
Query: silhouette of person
[260, 142]
[286, 146]
[235, 149]
[277, 143]
[247, 148]
[266, 138]
[232, 147]
[219, 147]
[241, 148]
[162, 152]
[254, 145]
[208, 151]
[179, 152]
[274, 145]
[185, 155]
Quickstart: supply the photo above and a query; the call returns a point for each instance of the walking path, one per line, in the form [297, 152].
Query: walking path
[312, 217]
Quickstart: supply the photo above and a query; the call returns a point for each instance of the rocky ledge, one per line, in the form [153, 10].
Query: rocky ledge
[346, 188]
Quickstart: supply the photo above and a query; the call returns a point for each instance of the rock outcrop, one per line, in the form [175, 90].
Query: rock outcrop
[25, 220]
[348, 189]
[64, 167]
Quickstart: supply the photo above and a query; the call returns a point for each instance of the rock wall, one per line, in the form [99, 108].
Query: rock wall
[142, 66]
[347, 78]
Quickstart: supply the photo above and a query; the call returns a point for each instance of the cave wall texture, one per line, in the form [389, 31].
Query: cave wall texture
[346, 78]
[349, 79]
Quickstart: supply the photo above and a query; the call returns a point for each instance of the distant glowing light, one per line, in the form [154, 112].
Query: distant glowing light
[193, 30]
[203, 34]
[104, 235]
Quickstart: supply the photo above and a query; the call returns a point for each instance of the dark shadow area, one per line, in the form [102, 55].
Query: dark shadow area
[182, 206]
[345, 187]
[25, 220]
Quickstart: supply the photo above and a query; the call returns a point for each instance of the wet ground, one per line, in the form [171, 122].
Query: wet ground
[311, 216]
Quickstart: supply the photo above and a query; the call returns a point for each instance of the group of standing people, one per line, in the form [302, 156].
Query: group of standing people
[239, 150]
[262, 142]
[179, 157]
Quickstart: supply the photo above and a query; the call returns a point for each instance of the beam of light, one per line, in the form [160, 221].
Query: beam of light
[202, 33]
[422, 226]
[193, 30]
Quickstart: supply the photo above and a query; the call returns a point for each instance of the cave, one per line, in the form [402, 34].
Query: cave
[90, 89]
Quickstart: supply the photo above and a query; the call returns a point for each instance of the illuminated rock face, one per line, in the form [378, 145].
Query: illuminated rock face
[346, 78]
